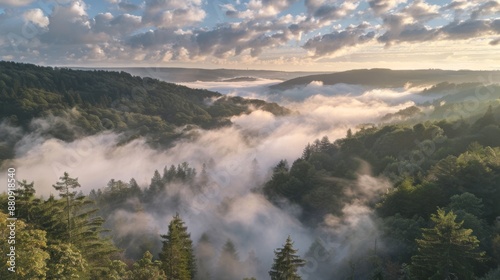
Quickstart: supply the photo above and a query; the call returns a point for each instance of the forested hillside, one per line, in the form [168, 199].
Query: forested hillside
[440, 209]
[388, 78]
[95, 101]
[440, 213]
[415, 197]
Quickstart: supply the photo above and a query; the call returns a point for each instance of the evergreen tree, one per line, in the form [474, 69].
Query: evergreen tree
[147, 269]
[25, 196]
[286, 263]
[177, 257]
[66, 262]
[65, 186]
[446, 250]
[205, 256]
[228, 266]
[30, 251]
[156, 183]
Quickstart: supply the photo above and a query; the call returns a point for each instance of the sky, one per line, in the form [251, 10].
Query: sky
[305, 35]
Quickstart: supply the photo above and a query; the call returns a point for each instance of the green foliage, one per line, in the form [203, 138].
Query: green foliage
[95, 101]
[492, 275]
[65, 186]
[177, 257]
[446, 250]
[147, 269]
[66, 262]
[286, 263]
[468, 203]
[30, 251]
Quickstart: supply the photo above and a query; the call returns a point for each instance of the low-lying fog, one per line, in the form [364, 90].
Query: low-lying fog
[248, 218]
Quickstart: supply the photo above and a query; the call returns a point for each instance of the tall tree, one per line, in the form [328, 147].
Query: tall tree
[205, 256]
[229, 266]
[25, 196]
[446, 250]
[286, 263]
[65, 187]
[177, 255]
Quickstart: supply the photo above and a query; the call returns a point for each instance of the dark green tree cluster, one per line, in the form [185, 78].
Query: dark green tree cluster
[58, 238]
[451, 165]
[89, 102]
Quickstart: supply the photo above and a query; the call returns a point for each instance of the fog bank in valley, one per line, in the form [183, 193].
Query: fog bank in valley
[242, 156]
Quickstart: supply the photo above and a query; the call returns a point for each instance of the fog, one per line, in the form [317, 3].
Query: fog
[230, 207]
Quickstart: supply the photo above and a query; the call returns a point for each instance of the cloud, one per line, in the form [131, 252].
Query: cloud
[15, 3]
[37, 17]
[330, 43]
[399, 29]
[421, 11]
[325, 12]
[128, 7]
[469, 29]
[71, 25]
[261, 8]
[122, 24]
[254, 33]
[382, 6]
[173, 14]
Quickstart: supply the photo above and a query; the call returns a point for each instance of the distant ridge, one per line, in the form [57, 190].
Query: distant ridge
[380, 77]
[188, 75]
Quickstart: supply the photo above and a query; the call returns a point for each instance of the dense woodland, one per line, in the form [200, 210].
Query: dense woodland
[437, 219]
[88, 102]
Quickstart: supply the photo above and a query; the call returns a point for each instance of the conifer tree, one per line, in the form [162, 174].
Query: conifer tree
[66, 262]
[177, 255]
[205, 258]
[25, 196]
[229, 266]
[446, 250]
[65, 186]
[286, 263]
[147, 269]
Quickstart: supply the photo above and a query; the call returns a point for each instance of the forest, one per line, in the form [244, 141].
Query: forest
[423, 195]
[98, 101]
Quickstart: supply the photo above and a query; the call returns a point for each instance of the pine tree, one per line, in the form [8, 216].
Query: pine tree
[446, 250]
[25, 198]
[205, 256]
[65, 186]
[177, 255]
[229, 265]
[286, 263]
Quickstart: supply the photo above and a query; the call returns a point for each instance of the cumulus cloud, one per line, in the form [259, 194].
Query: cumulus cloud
[421, 11]
[71, 25]
[182, 31]
[128, 7]
[382, 6]
[259, 8]
[327, 11]
[173, 14]
[37, 17]
[332, 42]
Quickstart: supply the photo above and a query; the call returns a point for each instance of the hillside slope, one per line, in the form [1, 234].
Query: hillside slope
[391, 78]
[79, 103]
